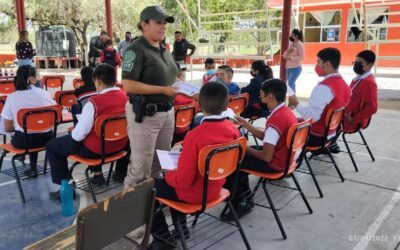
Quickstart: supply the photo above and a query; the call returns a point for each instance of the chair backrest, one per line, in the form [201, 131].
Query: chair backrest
[39, 119]
[184, 115]
[296, 141]
[2, 102]
[77, 83]
[238, 102]
[216, 162]
[56, 81]
[65, 98]
[103, 223]
[7, 87]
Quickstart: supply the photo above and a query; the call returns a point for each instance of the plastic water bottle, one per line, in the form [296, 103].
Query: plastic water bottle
[67, 199]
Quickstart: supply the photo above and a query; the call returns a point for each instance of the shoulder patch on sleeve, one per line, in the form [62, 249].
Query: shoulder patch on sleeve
[129, 60]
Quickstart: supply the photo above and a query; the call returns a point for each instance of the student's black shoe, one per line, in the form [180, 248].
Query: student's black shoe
[160, 245]
[334, 148]
[55, 195]
[176, 236]
[98, 180]
[32, 173]
[117, 177]
[241, 210]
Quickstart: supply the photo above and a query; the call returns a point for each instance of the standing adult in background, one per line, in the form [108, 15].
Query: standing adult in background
[97, 45]
[124, 44]
[25, 51]
[181, 46]
[148, 71]
[294, 55]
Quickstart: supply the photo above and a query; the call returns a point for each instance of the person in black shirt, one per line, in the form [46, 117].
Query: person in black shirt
[181, 46]
[97, 45]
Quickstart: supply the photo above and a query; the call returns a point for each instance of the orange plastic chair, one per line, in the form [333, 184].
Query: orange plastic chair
[215, 162]
[2, 102]
[77, 83]
[66, 98]
[34, 120]
[7, 87]
[184, 115]
[296, 140]
[55, 81]
[108, 128]
[333, 120]
[238, 102]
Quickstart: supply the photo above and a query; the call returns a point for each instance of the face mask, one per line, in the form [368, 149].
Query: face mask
[358, 68]
[221, 79]
[127, 38]
[291, 39]
[210, 71]
[252, 74]
[318, 70]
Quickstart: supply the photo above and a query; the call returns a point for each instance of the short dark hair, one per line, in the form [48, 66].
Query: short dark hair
[23, 74]
[276, 87]
[109, 42]
[105, 73]
[227, 69]
[368, 56]
[128, 32]
[209, 61]
[178, 32]
[103, 33]
[87, 75]
[213, 98]
[331, 55]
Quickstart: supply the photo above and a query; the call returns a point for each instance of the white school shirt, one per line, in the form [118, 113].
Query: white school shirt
[86, 119]
[271, 136]
[20, 99]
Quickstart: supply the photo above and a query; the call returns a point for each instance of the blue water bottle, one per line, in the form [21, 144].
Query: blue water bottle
[67, 199]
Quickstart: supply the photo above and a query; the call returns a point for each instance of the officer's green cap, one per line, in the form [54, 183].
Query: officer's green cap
[156, 13]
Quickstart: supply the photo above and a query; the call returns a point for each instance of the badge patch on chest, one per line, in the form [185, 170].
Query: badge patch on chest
[129, 60]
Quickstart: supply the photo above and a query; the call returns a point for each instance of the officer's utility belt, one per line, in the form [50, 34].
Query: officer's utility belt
[143, 108]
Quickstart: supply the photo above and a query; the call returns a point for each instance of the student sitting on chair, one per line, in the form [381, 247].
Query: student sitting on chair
[83, 139]
[26, 96]
[331, 93]
[211, 74]
[225, 75]
[186, 183]
[83, 93]
[364, 93]
[271, 156]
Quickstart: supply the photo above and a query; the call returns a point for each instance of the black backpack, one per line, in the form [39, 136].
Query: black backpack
[109, 57]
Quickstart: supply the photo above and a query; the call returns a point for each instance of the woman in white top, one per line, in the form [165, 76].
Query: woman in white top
[294, 55]
[26, 96]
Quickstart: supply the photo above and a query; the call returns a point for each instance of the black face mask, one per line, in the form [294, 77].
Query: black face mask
[291, 39]
[252, 74]
[358, 68]
[127, 38]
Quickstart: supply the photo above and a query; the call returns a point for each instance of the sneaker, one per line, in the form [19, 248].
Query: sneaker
[98, 180]
[241, 210]
[334, 148]
[55, 195]
[160, 245]
[175, 233]
[117, 177]
[31, 173]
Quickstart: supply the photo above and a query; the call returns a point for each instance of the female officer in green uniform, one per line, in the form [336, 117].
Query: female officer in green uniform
[148, 71]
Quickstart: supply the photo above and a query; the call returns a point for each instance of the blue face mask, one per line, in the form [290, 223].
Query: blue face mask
[210, 71]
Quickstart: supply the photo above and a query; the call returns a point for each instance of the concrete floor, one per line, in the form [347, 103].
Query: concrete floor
[361, 213]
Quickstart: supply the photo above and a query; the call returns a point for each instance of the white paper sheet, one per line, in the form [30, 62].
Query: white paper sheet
[168, 159]
[229, 113]
[186, 88]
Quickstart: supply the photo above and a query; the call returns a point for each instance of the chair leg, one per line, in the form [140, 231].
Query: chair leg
[251, 197]
[90, 185]
[181, 233]
[195, 220]
[301, 193]
[3, 154]
[246, 242]
[349, 151]
[21, 192]
[335, 165]
[321, 195]
[366, 144]
[109, 173]
[271, 204]
[45, 163]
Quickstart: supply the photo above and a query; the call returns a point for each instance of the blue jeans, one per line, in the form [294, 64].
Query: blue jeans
[292, 75]
[22, 62]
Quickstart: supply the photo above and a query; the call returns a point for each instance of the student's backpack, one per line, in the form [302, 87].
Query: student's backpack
[109, 57]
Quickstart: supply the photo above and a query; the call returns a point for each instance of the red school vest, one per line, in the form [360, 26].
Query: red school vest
[281, 120]
[341, 96]
[206, 78]
[112, 102]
